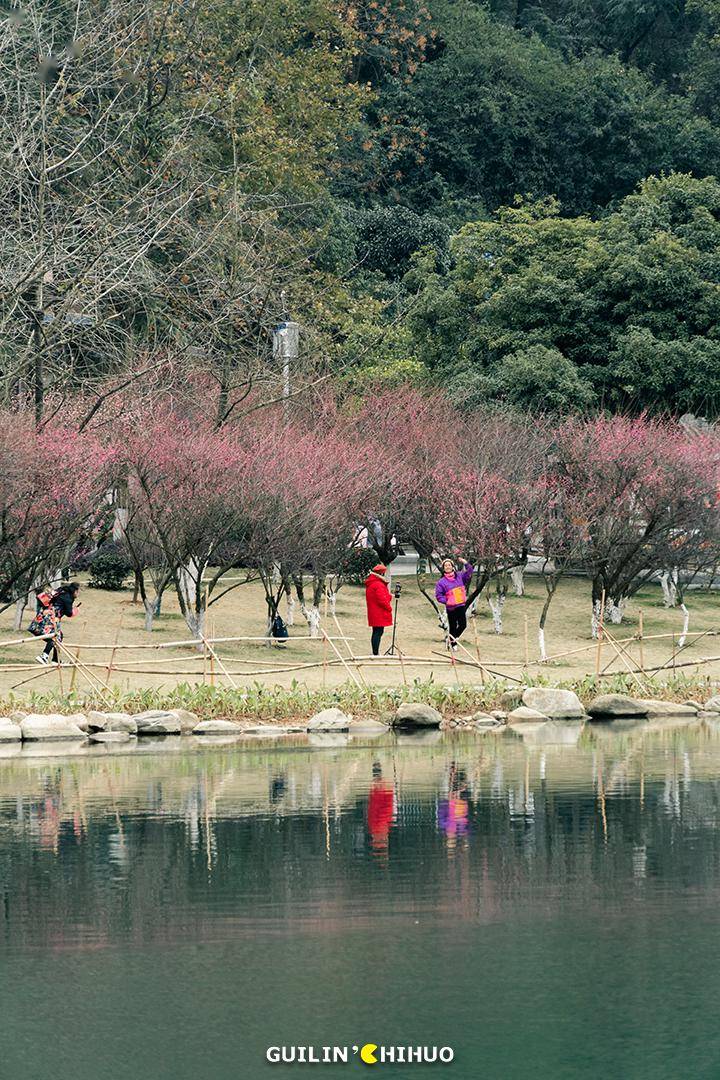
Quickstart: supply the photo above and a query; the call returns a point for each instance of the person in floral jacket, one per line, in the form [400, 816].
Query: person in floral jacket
[52, 609]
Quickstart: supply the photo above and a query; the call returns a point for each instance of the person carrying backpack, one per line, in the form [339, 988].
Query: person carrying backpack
[51, 609]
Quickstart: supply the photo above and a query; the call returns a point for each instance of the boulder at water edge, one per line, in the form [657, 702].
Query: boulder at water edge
[608, 706]
[53, 726]
[218, 727]
[111, 721]
[667, 708]
[713, 705]
[368, 727]
[188, 720]
[329, 720]
[523, 715]
[9, 731]
[157, 722]
[511, 699]
[483, 719]
[557, 704]
[410, 714]
[80, 719]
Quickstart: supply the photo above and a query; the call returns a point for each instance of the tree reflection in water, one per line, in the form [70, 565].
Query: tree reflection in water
[219, 842]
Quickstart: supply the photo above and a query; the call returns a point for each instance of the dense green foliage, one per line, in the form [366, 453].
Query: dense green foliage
[573, 279]
[109, 568]
[432, 187]
[499, 113]
[544, 310]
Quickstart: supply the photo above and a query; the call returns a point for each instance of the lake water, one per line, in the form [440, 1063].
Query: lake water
[546, 905]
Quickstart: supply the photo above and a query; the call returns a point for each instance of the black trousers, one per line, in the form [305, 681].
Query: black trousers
[457, 620]
[51, 647]
[376, 638]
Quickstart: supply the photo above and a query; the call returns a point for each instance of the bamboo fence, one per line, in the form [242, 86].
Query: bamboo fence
[612, 656]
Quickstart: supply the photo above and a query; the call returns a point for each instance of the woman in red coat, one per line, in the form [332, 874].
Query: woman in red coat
[379, 604]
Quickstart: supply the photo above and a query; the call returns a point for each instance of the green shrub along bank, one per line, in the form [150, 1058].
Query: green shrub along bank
[280, 704]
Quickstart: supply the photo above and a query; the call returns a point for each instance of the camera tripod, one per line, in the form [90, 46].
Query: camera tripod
[393, 650]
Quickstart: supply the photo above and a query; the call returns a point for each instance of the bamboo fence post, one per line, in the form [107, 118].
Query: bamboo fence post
[470, 657]
[214, 656]
[77, 656]
[204, 641]
[640, 639]
[622, 654]
[324, 644]
[527, 644]
[111, 661]
[344, 662]
[74, 670]
[349, 649]
[598, 654]
[477, 649]
[402, 666]
[96, 685]
[78, 665]
[210, 650]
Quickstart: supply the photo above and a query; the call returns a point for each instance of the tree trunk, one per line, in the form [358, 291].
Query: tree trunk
[615, 609]
[149, 614]
[189, 591]
[311, 614]
[551, 584]
[597, 601]
[686, 624]
[595, 619]
[20, 605]
[517, 575]
[497, 603]
[668, 584]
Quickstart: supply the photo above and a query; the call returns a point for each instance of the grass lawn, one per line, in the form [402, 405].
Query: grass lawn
[107, 617]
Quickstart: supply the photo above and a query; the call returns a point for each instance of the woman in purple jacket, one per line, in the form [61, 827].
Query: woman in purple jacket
[451, 590]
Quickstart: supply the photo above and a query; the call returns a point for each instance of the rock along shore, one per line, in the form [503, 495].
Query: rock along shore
[529, 706]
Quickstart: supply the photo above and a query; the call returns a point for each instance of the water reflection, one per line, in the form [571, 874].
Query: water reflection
[380, 810]
[453, 808]
[146, 846]
[545, 897]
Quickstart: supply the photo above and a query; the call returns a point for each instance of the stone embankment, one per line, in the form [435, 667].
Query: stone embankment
[114, 728]
[520, 708]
